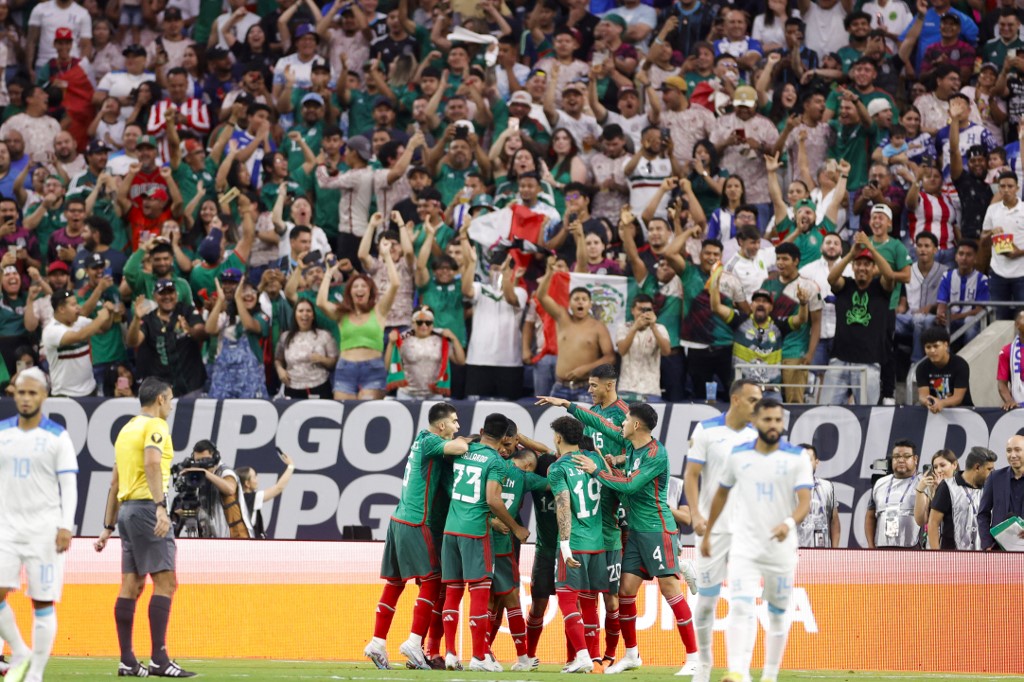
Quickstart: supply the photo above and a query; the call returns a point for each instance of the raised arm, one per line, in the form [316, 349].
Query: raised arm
[387, 299]
[772, 163]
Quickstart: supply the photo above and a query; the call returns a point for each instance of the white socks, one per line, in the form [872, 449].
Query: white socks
[44, 632]
[704, 624]
[9, 631]
[775, 642]
[740, 634]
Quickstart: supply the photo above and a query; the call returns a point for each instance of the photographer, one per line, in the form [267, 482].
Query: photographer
[254, 498]
[207, 491]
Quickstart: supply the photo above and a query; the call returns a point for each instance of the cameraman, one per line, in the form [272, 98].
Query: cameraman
[214, 498]
[253, 498]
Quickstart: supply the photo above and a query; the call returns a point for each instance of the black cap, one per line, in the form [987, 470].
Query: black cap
[244, 98]
[97, 147]
[419, 169]
[163, 286]
[59, 297]
[216, 53]
[95, 260]
[762, 293]
[134, 51]
[172, 14]
[950, 16]
[976, 150]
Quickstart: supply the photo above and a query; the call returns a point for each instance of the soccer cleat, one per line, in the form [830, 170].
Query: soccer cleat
[137, 670]
[4, 666]
[767, 679]
[451, 662]
[169, 669]
[18, 671]
[436, 663]
[485, 665]
[625, 663]
[534, 663]
[689, 575]
[733, 677]
[701, 674]
[417, 661]
[578, 665]
[689, 669]
[523, 664]
[377, 653]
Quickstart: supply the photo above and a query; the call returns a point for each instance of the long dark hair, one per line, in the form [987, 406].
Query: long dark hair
[553, 163]
[294, 329]
[709, 147]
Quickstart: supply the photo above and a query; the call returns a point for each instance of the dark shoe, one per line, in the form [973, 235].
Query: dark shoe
[137, 670]
[169, 669]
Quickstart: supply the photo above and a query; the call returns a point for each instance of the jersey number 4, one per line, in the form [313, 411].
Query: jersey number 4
[472, 475]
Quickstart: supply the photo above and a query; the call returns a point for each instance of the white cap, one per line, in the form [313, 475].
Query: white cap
[878, 105]
[883, 209]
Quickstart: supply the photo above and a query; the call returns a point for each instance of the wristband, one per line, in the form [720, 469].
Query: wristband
[110, 528]
[566, 551]
[790, 523]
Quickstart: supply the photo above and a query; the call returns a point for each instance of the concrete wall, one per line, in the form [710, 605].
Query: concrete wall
[982, 354]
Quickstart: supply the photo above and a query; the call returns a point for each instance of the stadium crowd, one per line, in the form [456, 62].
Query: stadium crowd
[363, 198]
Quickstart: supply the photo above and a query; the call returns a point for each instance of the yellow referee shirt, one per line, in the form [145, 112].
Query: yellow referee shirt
[129, 455]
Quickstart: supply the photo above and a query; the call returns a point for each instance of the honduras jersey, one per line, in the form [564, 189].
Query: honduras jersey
[30, 461]
[763, 493]
[710, 446]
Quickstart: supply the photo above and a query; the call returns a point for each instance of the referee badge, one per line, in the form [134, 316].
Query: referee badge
[157, 438]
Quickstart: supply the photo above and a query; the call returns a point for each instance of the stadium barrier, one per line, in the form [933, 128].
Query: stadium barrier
[938, 612]
[350, 457]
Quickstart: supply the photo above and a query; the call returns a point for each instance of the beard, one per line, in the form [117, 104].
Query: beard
[30, 414]
[770, 437]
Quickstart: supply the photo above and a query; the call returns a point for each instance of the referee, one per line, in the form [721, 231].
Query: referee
[138, 500]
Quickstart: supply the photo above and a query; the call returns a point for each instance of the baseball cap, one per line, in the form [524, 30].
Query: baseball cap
[231, 275]
[482, 201]
[418, 169]
[312, 98]
[879, 105]
[147, 141]
[190, 145]
[58, 266]
[574, 87]
[628, 90]
[950, 16]
[216, 53]
[95, 260]
[305, 30]
[976, 150]
[158, 193]
[744, 96]
[804, 203]
[762, 293]
[676, 82]
[172, 14]
[383, 102]
[520, 97]
[60, 296]
[569, 31]
[163, 286]
[865, 253]
[615, 19]
[97, 147]
[63, 34]
[883, 209]
[134, 51]
[361, 146]
[990, 66]
[244, 98]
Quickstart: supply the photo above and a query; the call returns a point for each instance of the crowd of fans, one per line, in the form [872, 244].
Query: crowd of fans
[278, 198]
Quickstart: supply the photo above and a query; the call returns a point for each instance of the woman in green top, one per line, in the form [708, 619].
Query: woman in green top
[360, 373]
[502, 150]
[706, 177]
[566, 165]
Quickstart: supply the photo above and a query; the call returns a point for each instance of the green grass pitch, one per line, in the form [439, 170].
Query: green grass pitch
[96, 669]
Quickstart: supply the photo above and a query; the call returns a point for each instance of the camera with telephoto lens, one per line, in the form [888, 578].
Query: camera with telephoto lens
[187, 483]
[188, 488]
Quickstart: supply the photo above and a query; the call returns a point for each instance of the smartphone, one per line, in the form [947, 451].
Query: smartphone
[108, 272]
[122, 383]
[312, 258]
[1011, 53]
[927, 469]
[513, 124]
[741, 134]
[21, 365]
[573, 217]
[13, 249]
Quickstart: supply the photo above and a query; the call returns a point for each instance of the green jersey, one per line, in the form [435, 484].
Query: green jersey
[105, 346]
[144, 283]
[516, 484]
[616, 414]
[644, 488]
[419, 484]
[544, 510]
[471, 472]
[587, 534]
[896, 255]
[204, 277]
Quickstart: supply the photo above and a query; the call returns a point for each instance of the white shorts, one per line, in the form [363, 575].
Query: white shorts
[44, 568]
[711, 571]
[745, 577]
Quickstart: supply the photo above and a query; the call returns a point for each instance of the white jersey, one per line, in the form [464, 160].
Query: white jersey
[764, 488]
[30, 461]
[70, 365]
[711, 444]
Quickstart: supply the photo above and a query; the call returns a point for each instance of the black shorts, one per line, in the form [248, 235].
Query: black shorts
[142, 552]
[542, 580]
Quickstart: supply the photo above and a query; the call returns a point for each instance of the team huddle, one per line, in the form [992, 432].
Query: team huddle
[605, 523]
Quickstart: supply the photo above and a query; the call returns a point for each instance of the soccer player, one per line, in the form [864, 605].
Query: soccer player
[38, 497]
[773, 481]
[581, 563]
[650, 546]
[710, 446]
[542, 579]
[409, 552]
[519, 479]
[602, 386]
[138, 501]
[466, 554]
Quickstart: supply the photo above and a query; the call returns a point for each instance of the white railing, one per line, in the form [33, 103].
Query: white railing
[860, 388]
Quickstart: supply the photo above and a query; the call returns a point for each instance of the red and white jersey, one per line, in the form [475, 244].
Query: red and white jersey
[935, 214]
[194, 116]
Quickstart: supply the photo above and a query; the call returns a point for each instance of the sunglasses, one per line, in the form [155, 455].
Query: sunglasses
[424, 323]
[572, 196]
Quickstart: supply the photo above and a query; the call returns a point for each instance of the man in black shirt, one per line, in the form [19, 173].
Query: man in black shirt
[953, 519]
[167, 341]
[943, 379]
[862, 309]
[693, 22]
[974, 192]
